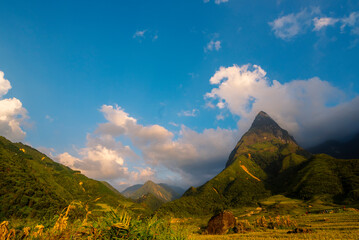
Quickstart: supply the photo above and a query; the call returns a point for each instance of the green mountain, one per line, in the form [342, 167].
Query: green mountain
[32, 185]
[268, 161]
[162, 192]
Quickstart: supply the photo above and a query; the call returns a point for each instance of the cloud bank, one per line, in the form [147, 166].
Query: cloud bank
[312, 110]
[12, 114]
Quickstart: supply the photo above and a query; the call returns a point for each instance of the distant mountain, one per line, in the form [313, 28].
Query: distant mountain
[268, 161]
[339, 149]
[162, 192]
[32, 185]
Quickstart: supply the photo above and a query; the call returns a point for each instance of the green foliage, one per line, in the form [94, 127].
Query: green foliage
[330, 178]
[32, 185]
[150, 201]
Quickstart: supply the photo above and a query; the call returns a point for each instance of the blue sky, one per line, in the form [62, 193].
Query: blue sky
[77, 66]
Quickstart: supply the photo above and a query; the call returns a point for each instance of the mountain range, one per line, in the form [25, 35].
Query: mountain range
[268, 161]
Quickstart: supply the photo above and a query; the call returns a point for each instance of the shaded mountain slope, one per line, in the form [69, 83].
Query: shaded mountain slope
[328, 178]
[339, 149]
[32, 185]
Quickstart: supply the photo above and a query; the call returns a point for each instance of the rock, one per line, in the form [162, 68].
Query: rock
[221, 223]
[301, 230]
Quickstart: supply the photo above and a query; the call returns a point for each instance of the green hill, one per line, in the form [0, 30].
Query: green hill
[32, 185]
[268, 161]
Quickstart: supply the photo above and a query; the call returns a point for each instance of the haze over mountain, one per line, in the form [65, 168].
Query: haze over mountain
[267, 161]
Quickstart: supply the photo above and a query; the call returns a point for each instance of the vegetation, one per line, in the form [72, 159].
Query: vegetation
[77, 222]
[34, 186]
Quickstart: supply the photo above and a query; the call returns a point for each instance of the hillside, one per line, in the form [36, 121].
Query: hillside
[268, 161]
[33, 185]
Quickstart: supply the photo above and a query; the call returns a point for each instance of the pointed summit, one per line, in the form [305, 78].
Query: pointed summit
[263, 120]
[263, 123]
[264, 135]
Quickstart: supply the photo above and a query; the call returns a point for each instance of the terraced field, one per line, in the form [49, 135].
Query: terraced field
[340, 225]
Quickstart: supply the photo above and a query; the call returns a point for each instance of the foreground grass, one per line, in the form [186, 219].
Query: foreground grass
[78, 222]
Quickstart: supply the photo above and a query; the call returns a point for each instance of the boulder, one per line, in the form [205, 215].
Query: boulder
[221, 223]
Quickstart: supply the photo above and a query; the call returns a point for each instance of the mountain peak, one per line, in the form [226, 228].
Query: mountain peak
[264, 122]
[263, 130]
[149, 182]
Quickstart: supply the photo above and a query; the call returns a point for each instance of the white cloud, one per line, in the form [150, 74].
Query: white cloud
[320, 23]
[140, 34]
[291, 25]
[145, 34]
[352, 21]
[216, 1]
[191, 158]
[12, 114]
[189, 113]
[213, 45]
[312, 110]
[173, 124]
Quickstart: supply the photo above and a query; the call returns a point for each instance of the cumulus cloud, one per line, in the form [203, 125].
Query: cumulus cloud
[191, 158]
[213, 45]
[320, 23]
[12, 113]
[192, 154]
[312, 110]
